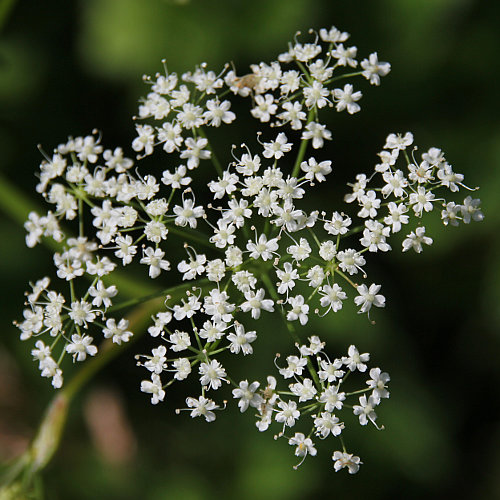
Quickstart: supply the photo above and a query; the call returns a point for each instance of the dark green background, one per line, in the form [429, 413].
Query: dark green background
[68, 67]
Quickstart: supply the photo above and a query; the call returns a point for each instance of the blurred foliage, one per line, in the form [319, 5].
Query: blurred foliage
[67, 67]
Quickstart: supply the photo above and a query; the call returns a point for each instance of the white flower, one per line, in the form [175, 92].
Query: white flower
[145, 139]
[290, 82]
[218, 112]
[387, 160]
[126, 249]
[188, 213]
[330, 372]
[248, 165]
[255, 302]
[415, 239]
[155, 231]
[421, 200]
[234, 257]
[292, 114]
[346, 99]
[377, 382]
[373, 69]
[154, 259]
[195, 152]
[422, 174]
[316, 276]
[177, 179]
[246, 393]
[81, 346]
[365, 409]
[318, 133]
[303, 445]
[237, 212]
[313, 169]
[202, 407]
[295, 366]
[396, 217]
[170, 135]
[358, 189]
[299, 309]
[118, 332]
[212, 330]
[277, 148]
[161, 319]
[215, 270]
[266, 201]
[332, 297]
[153, 387]
[315, 95]
[327, 424]
[223, 186]
[212, 374]
[327, 250]
[333, 35]
[354, 360]
[369, 203]
[81, 313]
[191, 116]
[301, 251]
[343, 459]
[216, 305]
[332, 399]
[470, 210]
[195, 266]
[306, 52]
[262, 248]
[287, 277]
[395, 182]
[244, 280]
[398, 141]
[223, 234]
[187, 309]
[304, 390]
[180, 341]
[158, 361]
[241, 340]
[374, 236]
[288, 413]
[345, 56]
[101, 267]
[315, 346]
[450, 214]
[182, 368]
[351, 261]
[339, 224]
[265, 107]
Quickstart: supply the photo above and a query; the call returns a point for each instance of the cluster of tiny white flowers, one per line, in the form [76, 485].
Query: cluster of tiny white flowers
[408, 192]
[317, 395]
[250, 251]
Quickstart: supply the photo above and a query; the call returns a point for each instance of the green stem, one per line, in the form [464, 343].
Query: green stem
[48, 437]
[214, 158]
[303, 147]
[193, 236]
[341, 77]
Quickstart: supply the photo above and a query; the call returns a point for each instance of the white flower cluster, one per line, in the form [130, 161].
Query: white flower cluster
[408, 192]
[246, 245]
[317, 394]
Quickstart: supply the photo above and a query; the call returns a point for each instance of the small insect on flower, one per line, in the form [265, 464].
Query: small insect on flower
[248, 81]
